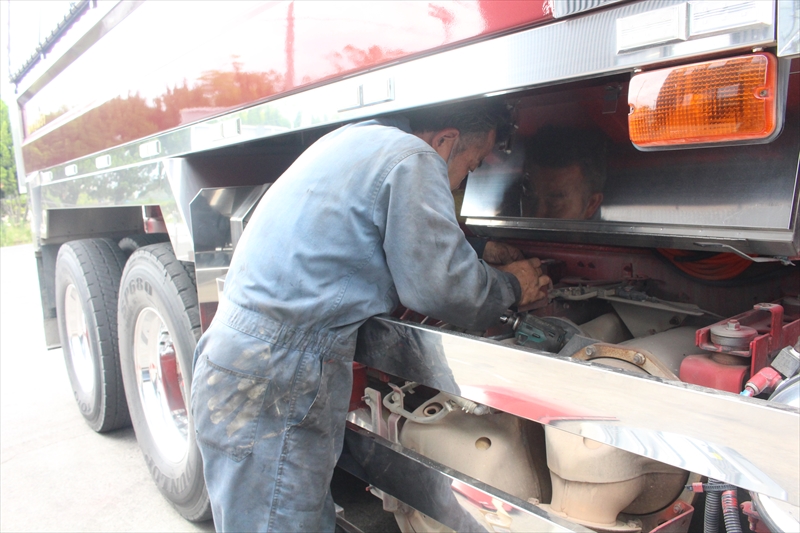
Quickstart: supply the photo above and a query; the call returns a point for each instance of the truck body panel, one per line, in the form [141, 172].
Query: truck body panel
[180, 135]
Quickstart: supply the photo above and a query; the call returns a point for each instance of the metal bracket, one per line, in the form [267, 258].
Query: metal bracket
[782, 259]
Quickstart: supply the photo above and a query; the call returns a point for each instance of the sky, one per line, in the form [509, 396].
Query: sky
[23, 25]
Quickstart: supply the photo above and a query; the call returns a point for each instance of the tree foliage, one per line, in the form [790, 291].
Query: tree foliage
[14, 227]
[8, 169]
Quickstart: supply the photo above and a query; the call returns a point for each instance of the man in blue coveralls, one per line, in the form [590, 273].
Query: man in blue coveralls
[363, 220]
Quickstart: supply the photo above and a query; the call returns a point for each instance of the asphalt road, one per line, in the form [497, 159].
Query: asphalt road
[56, 474]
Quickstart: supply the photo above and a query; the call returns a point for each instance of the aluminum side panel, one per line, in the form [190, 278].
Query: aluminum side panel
[744, 441]
[576, 48]
[207, 59]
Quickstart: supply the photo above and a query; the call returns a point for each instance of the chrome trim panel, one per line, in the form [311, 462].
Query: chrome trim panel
[565, 8]
[717, 434]
[779, 243]
[218, 216]
[176, 212]
[788, 28]
[529, 58]
[391, 469]
[571, 49]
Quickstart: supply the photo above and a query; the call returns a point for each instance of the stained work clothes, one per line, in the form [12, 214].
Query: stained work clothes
[363, 220]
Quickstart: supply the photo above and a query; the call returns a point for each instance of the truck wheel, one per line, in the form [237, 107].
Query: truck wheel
[159, 324]
[87, 284]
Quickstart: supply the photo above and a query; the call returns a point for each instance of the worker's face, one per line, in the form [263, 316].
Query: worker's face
[465, 159]
[558, 193]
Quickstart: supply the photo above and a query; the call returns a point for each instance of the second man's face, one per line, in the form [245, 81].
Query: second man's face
[556, 193]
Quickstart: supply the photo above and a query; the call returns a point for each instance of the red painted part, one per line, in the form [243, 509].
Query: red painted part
[211, 58]
[169, 377]
[764, 381]
[595, 263]
[677, 518]
[702, 370]
[359, 384]
[155, 225]
[478, 497]
[767, 319]
[754, 519]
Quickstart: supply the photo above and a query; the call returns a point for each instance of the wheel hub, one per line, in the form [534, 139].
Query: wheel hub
[159, 381]
[80, 352]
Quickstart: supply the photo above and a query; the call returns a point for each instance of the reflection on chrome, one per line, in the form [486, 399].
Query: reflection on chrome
[712, 433]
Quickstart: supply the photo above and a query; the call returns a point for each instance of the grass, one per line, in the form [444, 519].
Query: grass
[12, 234]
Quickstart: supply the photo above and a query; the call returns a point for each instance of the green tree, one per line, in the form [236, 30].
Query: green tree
[8, 169]
[13, 206]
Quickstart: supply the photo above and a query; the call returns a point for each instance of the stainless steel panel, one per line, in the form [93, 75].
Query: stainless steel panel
[571, 49]
[70, 224]
[744, 196]
[565, 8]
[217, 220]
[788, 28]
[718, 434]
[426, 486]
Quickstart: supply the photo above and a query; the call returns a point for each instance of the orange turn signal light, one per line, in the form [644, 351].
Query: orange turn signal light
[719, 101]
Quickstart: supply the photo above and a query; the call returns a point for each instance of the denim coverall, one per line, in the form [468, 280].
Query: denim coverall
[364, 219]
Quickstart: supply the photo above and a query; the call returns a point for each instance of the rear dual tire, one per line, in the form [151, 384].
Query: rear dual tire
[159, 325]
[87, 283]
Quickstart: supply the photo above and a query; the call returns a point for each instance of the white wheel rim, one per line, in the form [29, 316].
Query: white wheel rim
[159, 381]
[79, 350]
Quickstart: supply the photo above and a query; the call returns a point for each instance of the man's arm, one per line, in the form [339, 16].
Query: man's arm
[434, 269]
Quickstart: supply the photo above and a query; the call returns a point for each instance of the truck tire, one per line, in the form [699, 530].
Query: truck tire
[87, 284]
[159, 325]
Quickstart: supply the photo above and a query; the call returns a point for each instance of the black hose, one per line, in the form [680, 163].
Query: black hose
[711, 516]
[730, 512]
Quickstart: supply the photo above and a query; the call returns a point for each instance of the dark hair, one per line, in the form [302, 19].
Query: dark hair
[473, 119]
[559, 147]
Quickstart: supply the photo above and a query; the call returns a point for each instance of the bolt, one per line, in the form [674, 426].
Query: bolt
[590, 350]
[763, 93]
[638, 359]
[733, 325]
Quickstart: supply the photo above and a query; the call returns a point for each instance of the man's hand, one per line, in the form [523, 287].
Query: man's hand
[529, 274]
[498, 253]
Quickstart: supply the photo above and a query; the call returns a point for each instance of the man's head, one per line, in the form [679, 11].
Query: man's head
[565, 172]
[463, 134]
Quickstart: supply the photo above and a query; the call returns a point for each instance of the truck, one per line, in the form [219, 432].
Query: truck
[656, 387]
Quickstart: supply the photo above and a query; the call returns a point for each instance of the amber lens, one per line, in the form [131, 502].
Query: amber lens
[715, 101]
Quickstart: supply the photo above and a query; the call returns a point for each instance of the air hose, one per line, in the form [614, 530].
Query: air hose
[730, 512]
[718, 495]
[711, 516]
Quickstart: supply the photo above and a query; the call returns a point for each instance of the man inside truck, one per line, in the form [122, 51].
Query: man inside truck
[363, 220]
[564, 174]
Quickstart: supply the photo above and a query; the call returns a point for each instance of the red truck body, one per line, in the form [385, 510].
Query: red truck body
[147, 132]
